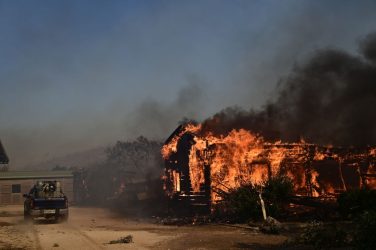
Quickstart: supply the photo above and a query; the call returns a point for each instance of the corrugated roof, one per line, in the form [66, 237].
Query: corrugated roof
[3, 155]
[35, 174]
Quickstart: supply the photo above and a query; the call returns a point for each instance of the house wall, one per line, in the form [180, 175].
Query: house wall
[14, 197]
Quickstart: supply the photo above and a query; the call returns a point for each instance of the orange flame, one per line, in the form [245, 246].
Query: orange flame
[241, 157]
[171, 147]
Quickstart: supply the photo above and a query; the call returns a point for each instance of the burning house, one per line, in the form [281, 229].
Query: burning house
[201, 165]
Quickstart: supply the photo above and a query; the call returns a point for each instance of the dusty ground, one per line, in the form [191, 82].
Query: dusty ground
[94, 228]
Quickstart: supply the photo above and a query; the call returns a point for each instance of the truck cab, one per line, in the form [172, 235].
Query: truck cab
[46, 200]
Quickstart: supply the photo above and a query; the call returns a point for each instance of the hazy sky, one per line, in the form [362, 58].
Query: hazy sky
[78, 74]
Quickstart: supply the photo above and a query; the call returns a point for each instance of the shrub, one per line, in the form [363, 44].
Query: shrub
[355, 202]
[364, 237]
[242, 204]
[276, 192]
[322, 237]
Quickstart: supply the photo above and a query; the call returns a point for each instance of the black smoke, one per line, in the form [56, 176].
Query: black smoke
[328, 99]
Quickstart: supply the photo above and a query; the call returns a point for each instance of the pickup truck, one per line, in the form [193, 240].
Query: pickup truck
[46, 200]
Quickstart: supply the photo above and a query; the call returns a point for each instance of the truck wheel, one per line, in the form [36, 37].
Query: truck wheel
[56, 219]
[27, 217]
[64, 217]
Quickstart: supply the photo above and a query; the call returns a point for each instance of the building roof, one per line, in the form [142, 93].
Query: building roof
[176, 132]
[3, 155]
[8, 175]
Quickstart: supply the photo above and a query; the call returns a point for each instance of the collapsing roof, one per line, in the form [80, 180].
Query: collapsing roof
[3, 155]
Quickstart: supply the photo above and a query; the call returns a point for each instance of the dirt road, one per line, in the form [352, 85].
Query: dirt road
[94, 228]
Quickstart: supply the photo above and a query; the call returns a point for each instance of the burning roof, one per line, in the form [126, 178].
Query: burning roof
[200, 162]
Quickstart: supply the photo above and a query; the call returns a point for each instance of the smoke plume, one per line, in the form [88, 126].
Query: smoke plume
[328, 99]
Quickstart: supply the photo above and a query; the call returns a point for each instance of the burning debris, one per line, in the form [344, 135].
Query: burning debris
[200, 165]
[122, 240]
[183, 221]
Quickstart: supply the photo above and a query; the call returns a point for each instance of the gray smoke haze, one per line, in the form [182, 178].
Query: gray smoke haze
[155, 119]
[75, 75]
[152, 118]
[328, 99]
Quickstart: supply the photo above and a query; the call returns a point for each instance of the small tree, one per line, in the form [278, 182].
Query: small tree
[139, 159]
[141, 156]
[276, 192]
[243, 204]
